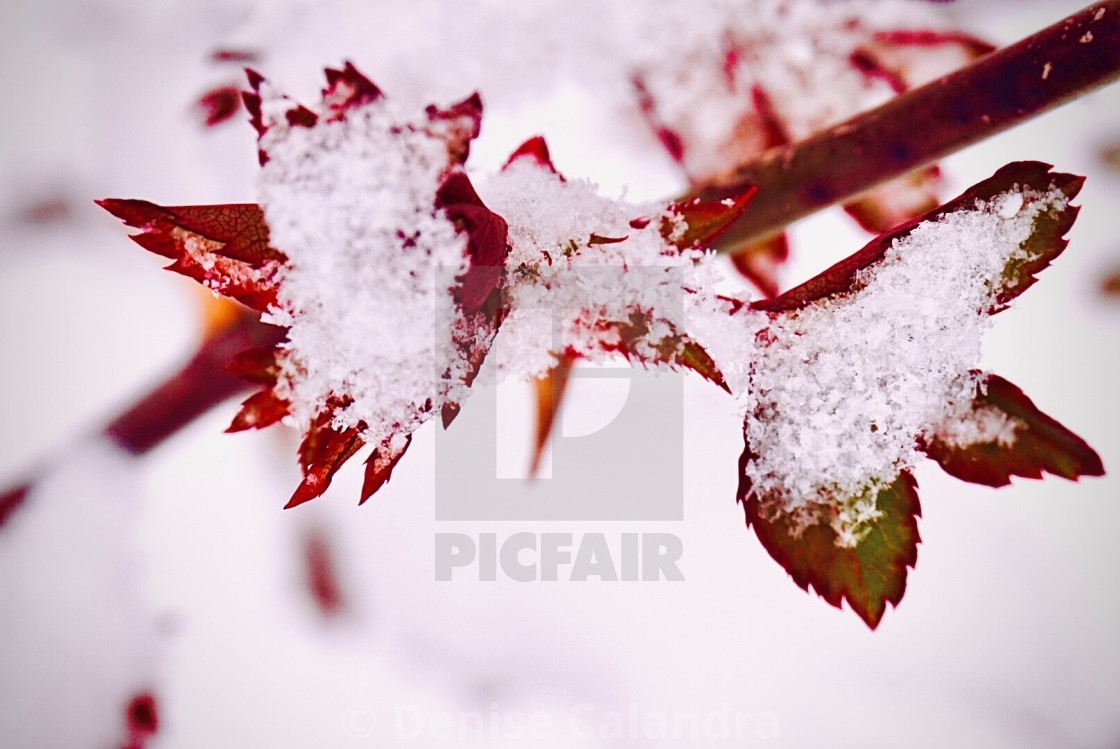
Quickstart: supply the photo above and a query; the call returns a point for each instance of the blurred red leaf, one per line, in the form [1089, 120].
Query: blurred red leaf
[11, 500]
[549, 390]
[219, 104]
[233, 55]
[759, 262]
[321, 576]
[1110, 284]
[895, 202]
[142, 720]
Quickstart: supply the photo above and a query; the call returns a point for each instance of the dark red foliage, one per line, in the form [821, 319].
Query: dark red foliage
[324, 450]
[223, 247]
[704, 220]
[219, 104]
[466, 120]
[1040, 444]
[670, 139]
[488, 241]
[142, 720]
[380, 465]
[321, 575]
[11, 500]
[260, 410]
[202, 383]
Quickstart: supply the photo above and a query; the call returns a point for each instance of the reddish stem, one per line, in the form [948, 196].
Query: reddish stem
[201, 384]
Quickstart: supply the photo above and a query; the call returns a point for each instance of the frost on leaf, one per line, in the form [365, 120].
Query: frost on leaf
[868, 571]
[370, 248]
[619, 278]
[1001, 433]
[858, 367]
[392, 292]
[224, 247]
[1049, 217]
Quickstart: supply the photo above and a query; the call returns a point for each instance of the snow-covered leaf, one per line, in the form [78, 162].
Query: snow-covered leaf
[1044, 243]
[674, 348]
[703, 220]
[224, 247]
[381, 462]
[1003, 434]
[869, 574]
[324, 450]
[260, 410]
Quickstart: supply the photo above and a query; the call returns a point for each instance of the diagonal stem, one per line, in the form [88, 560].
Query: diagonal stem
[998, 91]
[198, 386]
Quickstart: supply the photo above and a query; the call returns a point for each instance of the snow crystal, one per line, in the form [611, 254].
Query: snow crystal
[586, 259]
[841, 390]
[351, 202]
[977, 426]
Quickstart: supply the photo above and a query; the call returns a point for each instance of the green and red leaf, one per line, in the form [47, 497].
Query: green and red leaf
[1045, 242]
[1037, 443]
[223, 247]
[869, 575]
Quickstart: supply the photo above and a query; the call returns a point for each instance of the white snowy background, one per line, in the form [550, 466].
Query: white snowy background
[178, 572]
